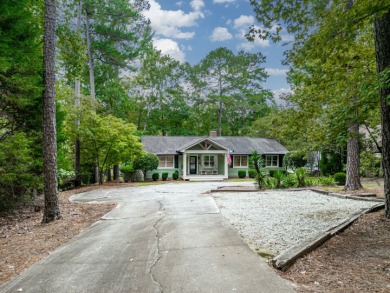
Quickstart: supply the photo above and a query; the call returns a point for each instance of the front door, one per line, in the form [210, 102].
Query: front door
[193, 164]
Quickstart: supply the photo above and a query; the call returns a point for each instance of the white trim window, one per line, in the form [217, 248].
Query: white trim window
[240, 161]
[208, 161]
[272, 160]
[166, 162]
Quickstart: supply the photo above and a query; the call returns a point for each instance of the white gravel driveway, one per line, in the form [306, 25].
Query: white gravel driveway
[277, 220]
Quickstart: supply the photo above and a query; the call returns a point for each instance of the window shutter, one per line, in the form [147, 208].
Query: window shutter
[176, 161]
[281, 161]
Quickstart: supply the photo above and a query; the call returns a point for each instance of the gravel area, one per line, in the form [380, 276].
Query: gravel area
[276, 220]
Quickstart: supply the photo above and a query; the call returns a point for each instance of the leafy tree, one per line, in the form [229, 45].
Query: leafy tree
[336, 23]
[234, 84]
[146, 162]
[107, 141]
[21, 89]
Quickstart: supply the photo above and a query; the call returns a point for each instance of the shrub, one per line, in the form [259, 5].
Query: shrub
[252, 174]
[175, 175]
[279, 176]
[241, 173]
[326, 181]
[146, 162]
[288, 181]
[300, 175]
[128, 171]
[340, 178]
[164, 176]
[257, 163]
[155, 176]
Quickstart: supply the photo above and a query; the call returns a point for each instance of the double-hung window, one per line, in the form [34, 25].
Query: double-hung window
[272, 161]
[208, 161]
[166, 162]
[240, 161]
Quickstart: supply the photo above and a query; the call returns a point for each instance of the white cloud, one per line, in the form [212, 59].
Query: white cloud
[244, 21]
[220, 34]
[279, 93]
[168, 23]
[197, 5]
[223, 1]
[179, 3]
[276, 71]
[171, 48]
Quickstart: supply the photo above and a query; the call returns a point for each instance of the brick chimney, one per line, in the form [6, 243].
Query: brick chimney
[213, 133]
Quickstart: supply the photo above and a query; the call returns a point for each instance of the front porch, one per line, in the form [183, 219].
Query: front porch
[205, 161]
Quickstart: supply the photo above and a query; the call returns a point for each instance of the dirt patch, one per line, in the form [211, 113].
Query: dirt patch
[357, 260]
[24, 240]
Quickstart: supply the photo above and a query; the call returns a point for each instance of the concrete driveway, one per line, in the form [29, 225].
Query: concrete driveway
[160, 238]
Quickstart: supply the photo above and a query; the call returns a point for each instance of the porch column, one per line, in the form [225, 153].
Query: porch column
[184, 165]
[226, 174]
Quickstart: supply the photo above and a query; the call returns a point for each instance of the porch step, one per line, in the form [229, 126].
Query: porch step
[205, 178]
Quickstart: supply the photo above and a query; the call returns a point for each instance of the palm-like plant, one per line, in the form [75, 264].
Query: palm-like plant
[257, 163]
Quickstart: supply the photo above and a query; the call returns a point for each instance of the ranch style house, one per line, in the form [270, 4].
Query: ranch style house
[211, 158]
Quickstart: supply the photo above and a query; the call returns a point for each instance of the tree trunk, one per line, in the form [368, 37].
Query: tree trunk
[77, 167]
[382, 47]
[90, 56]
[220, 118]
[108, 175]
[116, 172]
[52, 209]
[91, 72]
[353, 159]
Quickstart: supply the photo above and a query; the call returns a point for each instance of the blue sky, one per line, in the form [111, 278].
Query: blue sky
[189, 30]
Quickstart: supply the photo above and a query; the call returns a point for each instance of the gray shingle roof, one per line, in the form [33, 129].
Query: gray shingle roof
[169, 145]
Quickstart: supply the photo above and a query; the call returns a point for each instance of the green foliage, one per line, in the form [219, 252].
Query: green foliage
[241, 173]
[300, 175]
[340, 178]
[164, 176]
[252, 173]
[146, 162]
[370, 165]
[155, 176]
[257, 163]
[128, 172]
[294, 160]
[330, 163]
[175, 175]
[16, 175]
[279, 176]
[327, 181]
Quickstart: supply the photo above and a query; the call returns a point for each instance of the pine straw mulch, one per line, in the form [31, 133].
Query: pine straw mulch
[24, 240]
[356, 260]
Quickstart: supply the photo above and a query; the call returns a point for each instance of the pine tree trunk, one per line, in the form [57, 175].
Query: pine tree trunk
[382, 46]
[220, 118]
[77, 167]
[52, 209]
[353, 159]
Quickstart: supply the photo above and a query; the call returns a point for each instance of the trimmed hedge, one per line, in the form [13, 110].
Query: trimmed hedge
[175, 175]
[155, 176]
[241, 173]
[340, 178]
[164, 176]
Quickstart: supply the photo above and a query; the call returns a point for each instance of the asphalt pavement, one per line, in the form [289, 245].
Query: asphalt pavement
[160, 238]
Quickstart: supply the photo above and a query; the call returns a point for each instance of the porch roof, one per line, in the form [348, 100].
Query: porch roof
[239, 145]
[198, 141]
